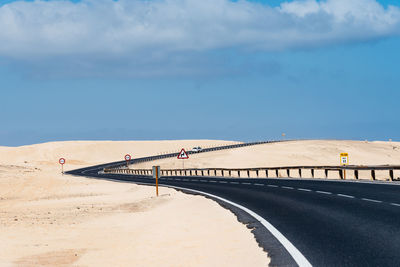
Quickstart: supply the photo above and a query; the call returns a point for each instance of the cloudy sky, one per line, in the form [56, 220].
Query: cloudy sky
[186, 69]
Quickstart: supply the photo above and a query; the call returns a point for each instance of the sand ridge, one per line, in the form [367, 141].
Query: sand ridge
[49, 219]
[290, 153]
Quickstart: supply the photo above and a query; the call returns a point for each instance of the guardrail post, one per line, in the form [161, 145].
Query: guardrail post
[326, 173]
[288, 172]
[215, 172]
[312, 173]
[341, 174]
[300, 173]
[391, 175]
[356, 174]
[202, 173]
[248, 173]
[238, 174]
[373, 174]
[190, 172]
[222, 173]
[266, 173]
[277, 173]
[230, 173]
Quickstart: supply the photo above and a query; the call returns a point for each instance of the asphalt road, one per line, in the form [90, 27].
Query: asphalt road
[332, 223]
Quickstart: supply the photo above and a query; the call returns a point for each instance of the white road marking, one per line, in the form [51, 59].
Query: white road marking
[223, 182]
[195, 180]
[293, 251]
[204, 181]
[213, 181]
[372, 200]
[287, 187]
[323, 192]
[177, 179]
[271, 185]
[343, 195]
[395, 204]
[303, 189]
[185, 179]
[246, 183]
[234, 183]
[259, 184]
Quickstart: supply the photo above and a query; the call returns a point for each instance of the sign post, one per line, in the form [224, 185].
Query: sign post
[156, 175]
[183, 155]
[344, 160]
[62, 162]
[127, 159]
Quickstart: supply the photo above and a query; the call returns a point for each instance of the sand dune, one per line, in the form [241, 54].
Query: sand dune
[47, 219]
[292, 153]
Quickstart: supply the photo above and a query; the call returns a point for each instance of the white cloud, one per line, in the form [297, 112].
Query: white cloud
[153, 30]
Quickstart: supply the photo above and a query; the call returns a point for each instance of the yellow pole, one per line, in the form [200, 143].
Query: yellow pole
[157, 181]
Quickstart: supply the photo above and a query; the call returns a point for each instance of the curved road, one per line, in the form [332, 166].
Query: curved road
[332, 223]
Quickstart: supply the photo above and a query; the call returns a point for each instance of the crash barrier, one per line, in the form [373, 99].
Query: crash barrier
[122, 164]
[382, 172]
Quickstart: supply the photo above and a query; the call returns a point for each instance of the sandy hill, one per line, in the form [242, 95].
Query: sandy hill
[291, 153]
[49, 219]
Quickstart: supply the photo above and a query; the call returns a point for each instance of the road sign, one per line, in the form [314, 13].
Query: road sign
[344, 158]
[62, 162]
[128, 157]
[183, 154]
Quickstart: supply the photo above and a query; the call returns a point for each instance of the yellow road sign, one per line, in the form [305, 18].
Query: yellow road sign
[344, 158]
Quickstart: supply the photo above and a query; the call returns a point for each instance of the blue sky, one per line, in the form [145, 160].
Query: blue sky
[317, 74]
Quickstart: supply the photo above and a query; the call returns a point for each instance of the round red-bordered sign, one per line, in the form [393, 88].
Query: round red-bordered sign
[128, 157]
[61, 161]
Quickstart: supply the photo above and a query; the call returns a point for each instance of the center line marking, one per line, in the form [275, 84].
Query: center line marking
[223, 182]
[287, 187]
[259, 184]
[195, 180]
[324, 192]
[271, 185]
[204, 181]
[246, 183]
[303, 189]
[395, 204]
[343, 195]
[234, 182]
[372, 200]
[213, 181]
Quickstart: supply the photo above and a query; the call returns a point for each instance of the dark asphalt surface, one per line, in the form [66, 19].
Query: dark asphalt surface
[332, 223]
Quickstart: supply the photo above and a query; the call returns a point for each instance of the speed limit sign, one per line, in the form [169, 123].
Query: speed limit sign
[128, 157]
[62, 162]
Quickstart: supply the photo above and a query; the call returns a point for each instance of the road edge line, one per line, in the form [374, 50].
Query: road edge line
[291, 249]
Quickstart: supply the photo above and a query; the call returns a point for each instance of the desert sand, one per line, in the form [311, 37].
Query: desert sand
[291, 153]
[49, 219]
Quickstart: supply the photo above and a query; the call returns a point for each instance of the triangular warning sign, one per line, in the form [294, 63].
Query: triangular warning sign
[183, 154]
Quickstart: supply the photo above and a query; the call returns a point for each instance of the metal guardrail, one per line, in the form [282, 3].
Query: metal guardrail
[122, 164]
[341, 172]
